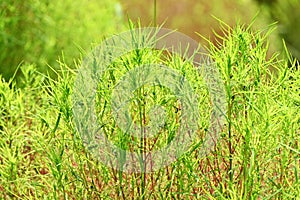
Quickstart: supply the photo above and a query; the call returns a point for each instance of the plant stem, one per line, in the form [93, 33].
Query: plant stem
[230, 144]
[154, 14]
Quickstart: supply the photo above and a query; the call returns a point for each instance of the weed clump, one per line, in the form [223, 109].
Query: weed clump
[257, 156]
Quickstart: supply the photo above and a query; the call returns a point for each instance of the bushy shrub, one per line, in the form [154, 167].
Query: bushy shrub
[257, 156]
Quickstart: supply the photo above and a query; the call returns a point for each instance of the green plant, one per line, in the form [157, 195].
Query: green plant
[257, 156]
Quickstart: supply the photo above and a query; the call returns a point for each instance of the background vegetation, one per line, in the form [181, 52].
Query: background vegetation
[285, 12]
[39, 32]
[42, 32]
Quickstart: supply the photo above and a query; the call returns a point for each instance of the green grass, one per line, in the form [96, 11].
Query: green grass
[257, 157]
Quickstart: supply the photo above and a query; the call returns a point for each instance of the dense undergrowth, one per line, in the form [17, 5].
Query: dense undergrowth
[257, 156]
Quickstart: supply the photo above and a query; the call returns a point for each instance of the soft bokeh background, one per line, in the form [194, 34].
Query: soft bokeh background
[43, 32]
[192, 16]
[286, 13]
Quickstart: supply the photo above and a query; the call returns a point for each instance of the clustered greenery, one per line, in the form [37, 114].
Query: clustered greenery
[257, 156]
[37, 32]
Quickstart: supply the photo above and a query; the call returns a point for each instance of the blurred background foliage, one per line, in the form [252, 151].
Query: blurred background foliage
[40, 32]
[194, 16]
[286, 14]
[190, 16]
